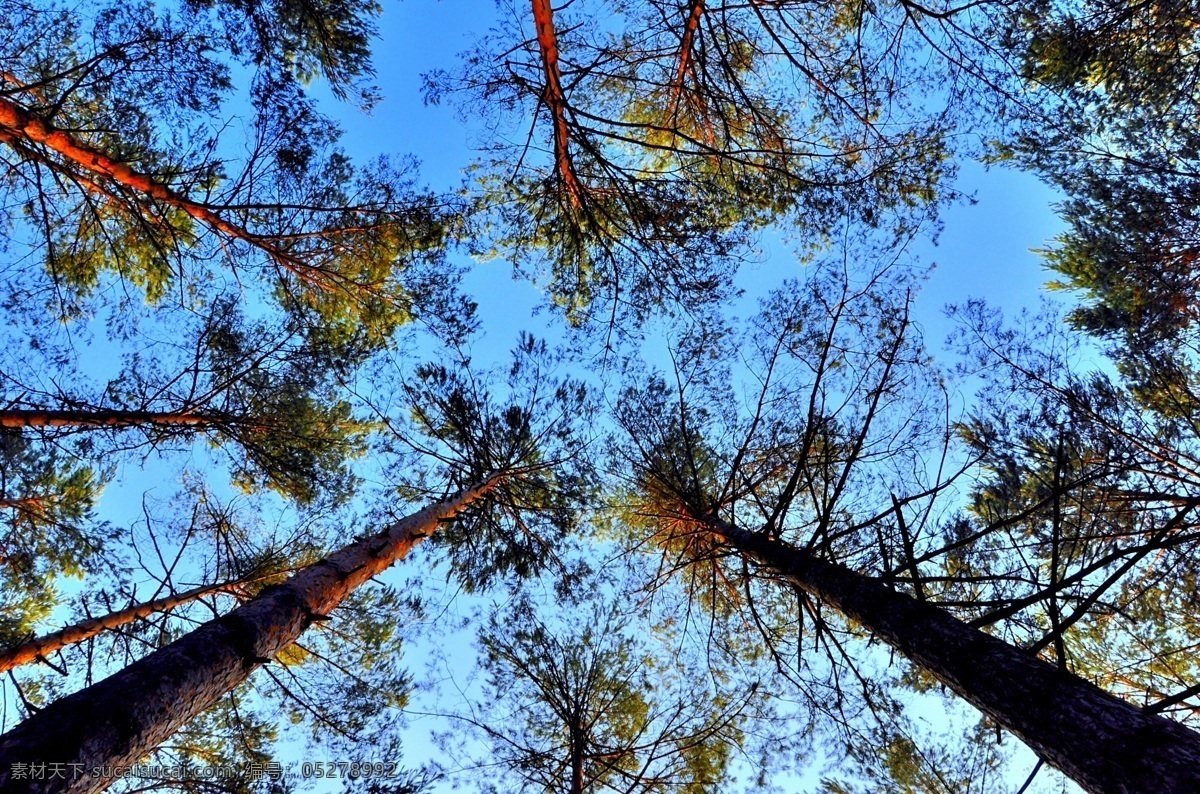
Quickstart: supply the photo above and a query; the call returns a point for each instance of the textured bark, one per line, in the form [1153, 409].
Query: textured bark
[38, 647]
[102, 418]
[116, 722]
[556, 102]
[1102, 742]
[16, 124]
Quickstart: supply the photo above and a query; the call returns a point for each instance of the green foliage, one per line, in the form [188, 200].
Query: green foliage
[49, 526]
[1117, 135]
[895, 763]
[276, 398]
[835, 369]
[25, 609]
[329, 39]
[1080, 544]
[229, 737]
[622, 250]
[331, 242]
[255, 279]
[525, 426]
[268, 395]
[582, 703]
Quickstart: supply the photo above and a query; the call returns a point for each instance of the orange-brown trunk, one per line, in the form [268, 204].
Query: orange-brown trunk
[117, 721]
[543, 20]
[101, 418]
[16, 122]
[695, 13]
[39, 647]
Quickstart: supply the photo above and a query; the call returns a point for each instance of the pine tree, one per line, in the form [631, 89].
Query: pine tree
[1114, 129]
[523, 448]
[268, 394]
[111, 126]
[805, 492]
[576, 701]
[661, 137]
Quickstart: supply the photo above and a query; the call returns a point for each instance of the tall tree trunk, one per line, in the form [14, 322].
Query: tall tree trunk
[103, 418]
[16, 123]
[117, 721]
[76, 633]
[577, 748]
[1102, 742]
[555, 98]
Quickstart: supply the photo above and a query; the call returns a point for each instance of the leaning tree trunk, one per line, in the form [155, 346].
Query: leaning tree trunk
[18, 124]
[1102, 742]
[117, 721]
[39, 647]
[556, 100]
[100, 417]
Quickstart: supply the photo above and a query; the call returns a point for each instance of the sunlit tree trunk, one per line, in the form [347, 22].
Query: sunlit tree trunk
[695, 14]
[39, 647]
[119, 720]
[17, 124]
[555, 98]
[26, 503]
[103, 418]
[1104, 743]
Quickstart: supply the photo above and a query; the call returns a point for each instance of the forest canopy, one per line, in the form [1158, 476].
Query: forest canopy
[561, 408]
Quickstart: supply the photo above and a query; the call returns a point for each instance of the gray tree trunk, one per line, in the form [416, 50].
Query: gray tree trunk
[1102, 742]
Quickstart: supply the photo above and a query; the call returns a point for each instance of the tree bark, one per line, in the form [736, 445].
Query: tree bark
[1102, 742]
[102, 418]
[577, 747]
[112, 724]
[17, 123]
[38, 647]
[684, 64]
[27, 503]
[556, 102]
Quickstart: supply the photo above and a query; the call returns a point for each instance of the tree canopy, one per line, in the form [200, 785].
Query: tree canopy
[721, 518]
